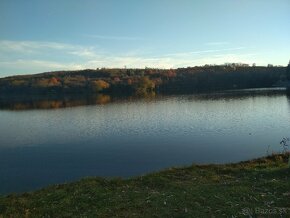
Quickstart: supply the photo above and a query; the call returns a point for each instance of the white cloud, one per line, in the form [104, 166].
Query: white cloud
[230, 58]
[23, 49]
[32, 46]
[21, 57]
[35, 66]
[84, 53]
[204, 51]
[126, 38]
[171, 62]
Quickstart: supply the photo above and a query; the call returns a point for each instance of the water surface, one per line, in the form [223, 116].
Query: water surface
[133, 137]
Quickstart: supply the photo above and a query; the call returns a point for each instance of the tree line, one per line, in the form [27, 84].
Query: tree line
[144, 81]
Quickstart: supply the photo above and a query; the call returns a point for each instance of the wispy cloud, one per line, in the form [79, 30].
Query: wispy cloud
[24, 48]
[21, 57]
[84, 53]
[36, 66]
[125, 38]
[32, 46]
[230, 58]
[217, 43]
[204, 51]
[30, 66]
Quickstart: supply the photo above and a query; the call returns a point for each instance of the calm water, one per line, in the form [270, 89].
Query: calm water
[133, 137]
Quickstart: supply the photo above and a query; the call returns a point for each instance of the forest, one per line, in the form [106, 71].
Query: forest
[124, 82]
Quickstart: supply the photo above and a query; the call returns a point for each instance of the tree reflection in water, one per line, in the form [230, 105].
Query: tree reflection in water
[51, 102]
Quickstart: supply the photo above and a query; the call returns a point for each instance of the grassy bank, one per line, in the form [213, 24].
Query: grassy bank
[232, 190]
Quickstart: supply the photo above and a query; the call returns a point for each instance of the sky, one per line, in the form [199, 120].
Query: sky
[47, 35]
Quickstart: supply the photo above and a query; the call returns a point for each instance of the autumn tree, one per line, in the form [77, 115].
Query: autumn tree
[54, 82]
[144, 85]
[99, 85]
[19, 82]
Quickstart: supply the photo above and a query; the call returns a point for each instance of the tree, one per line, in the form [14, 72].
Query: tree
[99, 85]
[144, 85]
[288, 71]
[53, 82]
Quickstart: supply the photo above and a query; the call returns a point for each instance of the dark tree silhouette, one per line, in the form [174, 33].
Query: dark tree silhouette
[288, 71]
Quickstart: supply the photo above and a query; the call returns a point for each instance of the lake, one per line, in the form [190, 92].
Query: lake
[130, 137]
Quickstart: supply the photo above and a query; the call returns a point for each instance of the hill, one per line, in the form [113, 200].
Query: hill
[143, 81]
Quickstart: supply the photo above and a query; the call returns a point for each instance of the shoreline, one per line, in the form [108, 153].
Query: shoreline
[196, 190]
[54, 101]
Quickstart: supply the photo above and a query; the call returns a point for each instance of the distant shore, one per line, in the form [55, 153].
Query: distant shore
[140, 82]
[251, 188]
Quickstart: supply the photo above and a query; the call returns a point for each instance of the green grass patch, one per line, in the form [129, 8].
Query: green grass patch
[257, 188]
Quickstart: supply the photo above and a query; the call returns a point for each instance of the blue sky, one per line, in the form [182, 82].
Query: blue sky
[46, 35]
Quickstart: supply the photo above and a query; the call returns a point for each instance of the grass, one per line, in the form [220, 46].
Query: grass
[258, 187]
